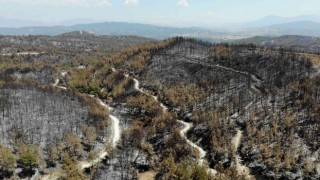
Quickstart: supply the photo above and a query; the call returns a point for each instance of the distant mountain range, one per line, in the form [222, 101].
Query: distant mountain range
[297, 43]
[273, 20]
[263, 27]
[305, 28]
[107, 28]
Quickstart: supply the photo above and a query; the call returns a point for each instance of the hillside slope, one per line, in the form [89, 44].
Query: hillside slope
[222, 88]
[164, 109]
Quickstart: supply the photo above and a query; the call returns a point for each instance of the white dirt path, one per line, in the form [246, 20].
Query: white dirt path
[116, 133]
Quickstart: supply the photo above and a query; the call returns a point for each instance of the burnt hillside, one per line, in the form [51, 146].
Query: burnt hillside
[159, 110]
[224, 88]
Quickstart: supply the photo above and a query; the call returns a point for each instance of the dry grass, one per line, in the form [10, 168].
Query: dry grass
[147, 175]
[315, 59]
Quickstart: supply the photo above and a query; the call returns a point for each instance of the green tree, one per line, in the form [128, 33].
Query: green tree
[53, 155]
[184, 170]
[7, 160]
[29, 155]
[73, 144]
[168, 167]
[91, 135]
[199, 173]
[71, 170]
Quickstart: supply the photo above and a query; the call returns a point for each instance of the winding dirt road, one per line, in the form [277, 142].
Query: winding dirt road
[186, 127]
[183, 132]
[56, 84]
[116, 124]
[115, 138]
[242, 170]
[116, 133]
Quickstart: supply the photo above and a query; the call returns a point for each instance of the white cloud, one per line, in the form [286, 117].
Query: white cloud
[131, 2]
[62, 2]
[105, 2]
[209, 14]
[183, 3]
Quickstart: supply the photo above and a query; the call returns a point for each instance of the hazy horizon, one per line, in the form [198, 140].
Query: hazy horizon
[178, 13]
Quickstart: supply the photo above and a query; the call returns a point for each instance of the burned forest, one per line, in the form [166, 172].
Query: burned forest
[81, 106]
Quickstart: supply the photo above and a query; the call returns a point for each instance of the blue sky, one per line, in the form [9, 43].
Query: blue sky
[166, 12]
